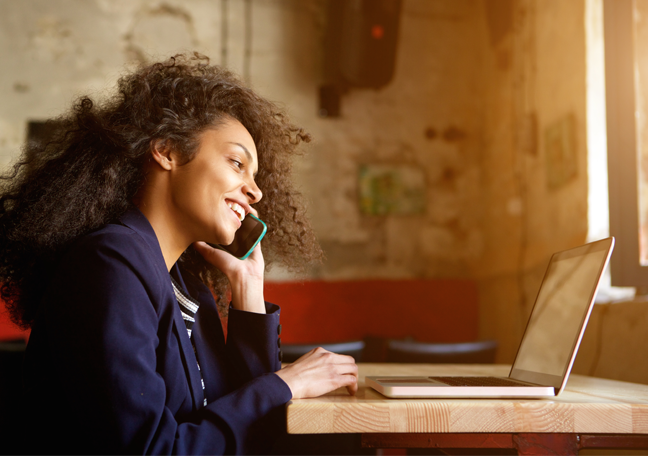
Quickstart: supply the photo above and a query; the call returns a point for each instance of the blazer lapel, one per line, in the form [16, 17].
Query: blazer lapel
[188, 355]
[210, 347]
[134, 219]
[209, 338]
[187, 348]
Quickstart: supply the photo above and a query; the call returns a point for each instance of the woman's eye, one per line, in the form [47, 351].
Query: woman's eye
[238, 164]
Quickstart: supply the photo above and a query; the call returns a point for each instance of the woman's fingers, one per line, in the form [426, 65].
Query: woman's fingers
[256, 254]
[319, 372]
[348, 375]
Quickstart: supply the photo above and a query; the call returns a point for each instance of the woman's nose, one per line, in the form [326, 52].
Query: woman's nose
[253, 192]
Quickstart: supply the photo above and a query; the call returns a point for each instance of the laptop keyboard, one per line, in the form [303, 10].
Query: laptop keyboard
[479, 381]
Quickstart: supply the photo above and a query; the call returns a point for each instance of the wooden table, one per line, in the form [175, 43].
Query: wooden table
[590, 413]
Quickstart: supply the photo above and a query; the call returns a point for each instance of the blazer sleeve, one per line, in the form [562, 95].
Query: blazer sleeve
[106, 319]
[253, 343]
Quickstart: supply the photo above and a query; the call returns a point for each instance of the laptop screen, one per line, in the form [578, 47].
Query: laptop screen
[561, 309]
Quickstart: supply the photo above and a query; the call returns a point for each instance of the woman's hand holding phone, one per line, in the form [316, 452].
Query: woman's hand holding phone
[245, 277]
[242, 262]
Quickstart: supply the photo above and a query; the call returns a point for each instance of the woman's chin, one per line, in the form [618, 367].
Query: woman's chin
[228, 240]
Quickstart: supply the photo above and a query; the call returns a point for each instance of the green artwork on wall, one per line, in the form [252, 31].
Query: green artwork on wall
[560, 152]
[391, 189]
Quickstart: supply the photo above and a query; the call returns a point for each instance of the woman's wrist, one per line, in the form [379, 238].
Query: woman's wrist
[247, 293]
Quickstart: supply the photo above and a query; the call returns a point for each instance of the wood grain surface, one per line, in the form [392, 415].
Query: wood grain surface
[588, 405]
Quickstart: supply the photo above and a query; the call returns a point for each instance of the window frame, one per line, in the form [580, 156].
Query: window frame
[620, 92]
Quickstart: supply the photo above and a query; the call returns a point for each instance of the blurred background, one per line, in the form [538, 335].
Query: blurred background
[457, 145]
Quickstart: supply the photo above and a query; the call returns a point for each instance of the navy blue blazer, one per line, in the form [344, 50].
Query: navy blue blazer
[109, 367]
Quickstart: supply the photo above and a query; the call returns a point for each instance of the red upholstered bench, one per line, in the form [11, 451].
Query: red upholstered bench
[431, 310]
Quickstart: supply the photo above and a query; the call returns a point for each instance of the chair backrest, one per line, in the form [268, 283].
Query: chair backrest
[352, 348]
[404, 351]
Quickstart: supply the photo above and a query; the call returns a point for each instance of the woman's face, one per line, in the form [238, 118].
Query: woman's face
[214, 191]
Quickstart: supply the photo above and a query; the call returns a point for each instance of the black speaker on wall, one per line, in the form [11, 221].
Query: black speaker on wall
[361, 44]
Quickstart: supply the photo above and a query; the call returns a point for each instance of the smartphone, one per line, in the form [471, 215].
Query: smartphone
[246, 238]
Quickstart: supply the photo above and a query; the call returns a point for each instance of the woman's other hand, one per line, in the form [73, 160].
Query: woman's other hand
[318, 372]
[245, 276]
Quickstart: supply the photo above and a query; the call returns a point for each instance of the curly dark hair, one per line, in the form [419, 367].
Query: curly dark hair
[89, 173]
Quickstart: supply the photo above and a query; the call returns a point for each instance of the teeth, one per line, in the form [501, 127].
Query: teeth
[238, 209]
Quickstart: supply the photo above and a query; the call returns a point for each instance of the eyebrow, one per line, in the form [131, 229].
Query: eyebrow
[247, 153]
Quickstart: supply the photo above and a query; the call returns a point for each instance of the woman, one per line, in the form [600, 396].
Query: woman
[104, 236]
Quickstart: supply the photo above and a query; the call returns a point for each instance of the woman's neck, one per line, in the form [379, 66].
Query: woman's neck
[166, 225]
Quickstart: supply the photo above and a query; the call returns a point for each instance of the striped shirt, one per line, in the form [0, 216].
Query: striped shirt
[189, 307]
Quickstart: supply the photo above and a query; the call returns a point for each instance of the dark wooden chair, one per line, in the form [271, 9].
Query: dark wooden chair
[352, 348]
[407, 351]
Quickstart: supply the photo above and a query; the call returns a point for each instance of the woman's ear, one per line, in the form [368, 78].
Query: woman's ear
[161, 151]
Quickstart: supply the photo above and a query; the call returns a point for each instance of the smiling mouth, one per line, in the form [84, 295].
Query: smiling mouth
[238, 210]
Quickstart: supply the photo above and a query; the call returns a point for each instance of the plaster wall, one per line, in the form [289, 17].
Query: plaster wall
[436, 89]
[616, 342]
[536, 79]
[59, 49]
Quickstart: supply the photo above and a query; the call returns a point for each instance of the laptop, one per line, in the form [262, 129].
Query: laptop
[550, 342]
